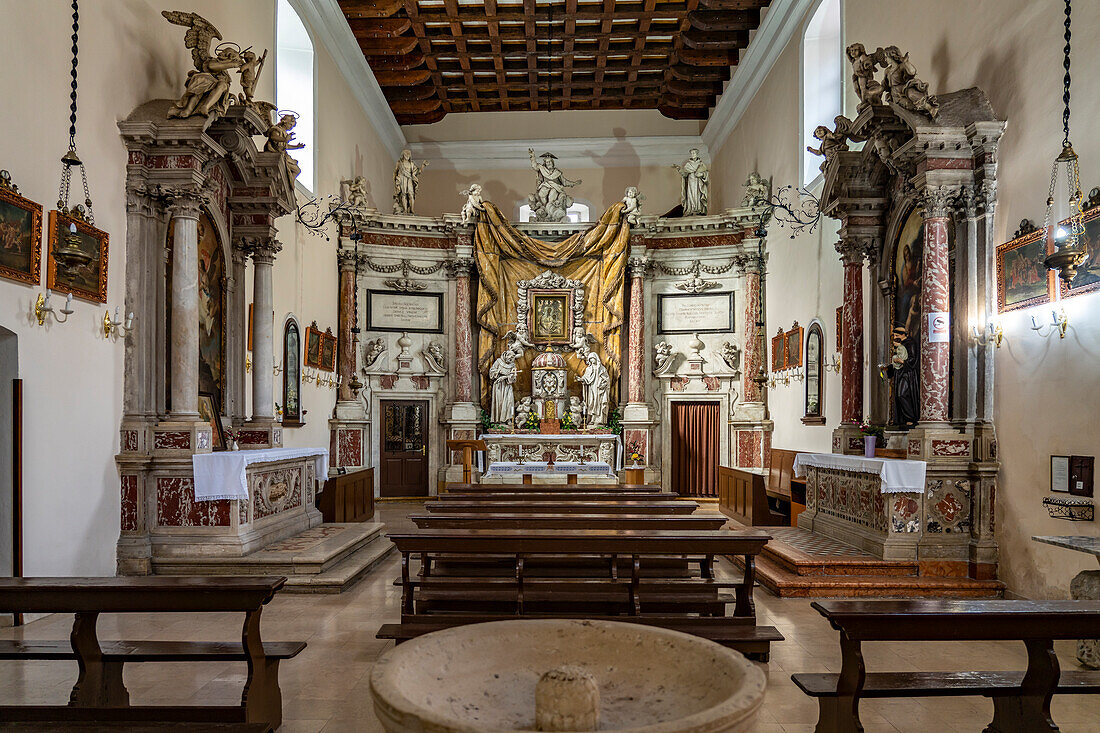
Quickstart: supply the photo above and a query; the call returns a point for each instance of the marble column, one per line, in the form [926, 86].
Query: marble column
[238, 310]
[464, 339]
[851, 376]
[752, 359]
[636, 333]
[935, 334]
[185, 307]
[345, 352]
[263, 347]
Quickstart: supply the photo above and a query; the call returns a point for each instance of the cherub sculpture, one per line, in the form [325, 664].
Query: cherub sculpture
[280, 139]
[632, 206]
[663, 357]
[372, 351]
[902, 85]
[731, 354]
[249, 72]
[357, 191]
[757, 190]
[474, 204]
[835, 140]
[434, 356]
[207, 88]
[868, 89]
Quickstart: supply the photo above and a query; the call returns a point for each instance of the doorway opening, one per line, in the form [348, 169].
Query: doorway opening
[695, 447]
[403, 453]
[11, 414]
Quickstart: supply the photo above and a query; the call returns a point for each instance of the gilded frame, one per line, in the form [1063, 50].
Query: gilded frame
[57, 276]
[33, 212]
[1036, 241]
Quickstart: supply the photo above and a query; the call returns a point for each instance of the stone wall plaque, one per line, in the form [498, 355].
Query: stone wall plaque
[409, 312]
[689, 313]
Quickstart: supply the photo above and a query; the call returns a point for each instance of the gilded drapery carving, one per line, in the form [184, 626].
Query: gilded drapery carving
[596, 257]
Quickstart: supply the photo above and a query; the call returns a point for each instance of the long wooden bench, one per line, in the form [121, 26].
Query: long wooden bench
[540, 488]
[561, 496]
[1021, 699]
[566, 521]
[100, 696]
[562, 507]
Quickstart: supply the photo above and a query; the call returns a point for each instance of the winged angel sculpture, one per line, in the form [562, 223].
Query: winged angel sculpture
[207, 89]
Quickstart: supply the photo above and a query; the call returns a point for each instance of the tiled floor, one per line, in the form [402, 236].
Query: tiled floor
[326, 688]
[815, 544]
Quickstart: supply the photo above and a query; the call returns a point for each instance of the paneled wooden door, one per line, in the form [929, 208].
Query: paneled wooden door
[403, 455]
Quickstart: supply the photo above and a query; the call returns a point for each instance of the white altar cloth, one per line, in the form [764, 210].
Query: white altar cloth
[503, 468]
[222, 475]
[559, 437]
[897, 475]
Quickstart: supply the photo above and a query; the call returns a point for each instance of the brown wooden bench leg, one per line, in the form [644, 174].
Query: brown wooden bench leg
[1029, 709]
[519, 584]
[406, 586]
[744, 605]
[635, 582]
[99, 683]
[840, 714]
[262, 699]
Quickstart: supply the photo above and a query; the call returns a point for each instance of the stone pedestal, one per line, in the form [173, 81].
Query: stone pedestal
[1086, 587]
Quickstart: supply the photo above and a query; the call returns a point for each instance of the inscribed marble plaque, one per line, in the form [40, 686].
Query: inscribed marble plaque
[710, 312]
[412, 312]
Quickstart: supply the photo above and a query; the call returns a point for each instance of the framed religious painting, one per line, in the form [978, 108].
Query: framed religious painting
[211, 414]
[77, 260]
[695, 312]
[1087, 279]
[404, 312]
[328, 351]
[1022, 278]
[551, 318]
[314, 340]
[793, 347]
[20, 234]
[779, 352]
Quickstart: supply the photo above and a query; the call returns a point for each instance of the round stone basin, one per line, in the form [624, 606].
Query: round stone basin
[482, 677]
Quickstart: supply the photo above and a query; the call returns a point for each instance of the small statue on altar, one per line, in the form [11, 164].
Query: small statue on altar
[474, 205]
[502, 375]
[903, 368]
[757, 190]
[280, 139]
[695, 186]
[868, 89]
[663, 358]
[550, 201]
[357, 192]
[406, 179]
[632, 206]
[902, 85]
[523, 412]
[597, 391]
[835, 140]
[250, 74]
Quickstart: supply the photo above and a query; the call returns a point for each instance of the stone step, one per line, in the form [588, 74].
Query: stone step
[346, 574]
[798, 562]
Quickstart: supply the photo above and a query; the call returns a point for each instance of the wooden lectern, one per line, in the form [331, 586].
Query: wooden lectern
[467, 447]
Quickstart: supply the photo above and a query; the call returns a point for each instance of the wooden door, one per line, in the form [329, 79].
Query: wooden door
[403, 454]
[695, 447]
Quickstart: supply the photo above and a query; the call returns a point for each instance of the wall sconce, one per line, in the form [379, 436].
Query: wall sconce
[248, 363]
[993, 332]
[833, 365]
[115, 325]
[42, 308]
[1059, 322]
[275, 368]
[771, 382]
[308, 377]
[798, 375]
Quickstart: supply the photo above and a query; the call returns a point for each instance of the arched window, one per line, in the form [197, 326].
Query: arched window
[292, 374]
[822, 85]
[578, 212]
[294, 85]
[815, 349]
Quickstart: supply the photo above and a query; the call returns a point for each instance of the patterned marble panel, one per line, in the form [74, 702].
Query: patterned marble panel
[951, 448]
[275, 491]
[641, 437]
[949, 507]
[905, 513]
[172, 440]
[349, 449]
[176, 505]
[129, 440]
[935, 357]
[253, 437]
[748, 449]
[852, 496]
[129, 509]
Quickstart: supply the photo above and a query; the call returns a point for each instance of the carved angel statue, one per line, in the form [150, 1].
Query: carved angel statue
[632, 206]
[757, 190]
[523, 409]
[356, 191]
[731, 354]
[372, 351]
[868, 89]
[434, 356]
[902, 85]
[249, 72]
[695, 184]
[834, 141]
[663, 358]
[207, 88]
[406, 180]
[474, 205]
[550, 201]
[280, 139]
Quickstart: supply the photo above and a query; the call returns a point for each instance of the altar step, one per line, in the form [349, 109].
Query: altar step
[328, 558]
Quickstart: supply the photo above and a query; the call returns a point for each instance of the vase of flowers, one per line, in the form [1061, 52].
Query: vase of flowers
[634, 452]
[872, 434]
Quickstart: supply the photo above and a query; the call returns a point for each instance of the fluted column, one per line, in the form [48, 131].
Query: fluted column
[464, 338]
[263, 347]
[635, 377]
[935, 302]
[185, 306]
[345, 351]
[851, 376]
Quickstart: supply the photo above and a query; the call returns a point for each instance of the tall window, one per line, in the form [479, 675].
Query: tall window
[292, 374]
[822, 85]
[815, 347]
[294, 85]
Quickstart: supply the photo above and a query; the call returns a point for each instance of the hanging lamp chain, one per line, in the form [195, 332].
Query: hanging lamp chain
[71, 159]
[1066, 79]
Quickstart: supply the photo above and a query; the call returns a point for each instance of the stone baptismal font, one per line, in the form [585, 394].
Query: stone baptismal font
[565, 675]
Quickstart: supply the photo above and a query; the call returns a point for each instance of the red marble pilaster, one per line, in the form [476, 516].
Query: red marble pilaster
[464, 340]
[851, 379]
[345, 349]
[636, 343]
[751, 357]
[935, 302]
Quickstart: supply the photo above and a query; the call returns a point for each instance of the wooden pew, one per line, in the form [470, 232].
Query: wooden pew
[694, 602]
[771, 499]
[348, 497]
[100, 695]
[560, 496]
[562, 507]
[1021, 699]
[567, 521]
[542, 488]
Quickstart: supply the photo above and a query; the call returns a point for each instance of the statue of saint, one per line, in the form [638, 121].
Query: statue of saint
[502, 374]
[694, 188]
[903, 369]
[406, 179]
[597, 391]
[550, 201]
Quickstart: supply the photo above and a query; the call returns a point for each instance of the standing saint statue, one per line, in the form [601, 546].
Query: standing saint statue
[502, 374]
[406, 179]
[597, 390]
[694, 188]
[550, 201]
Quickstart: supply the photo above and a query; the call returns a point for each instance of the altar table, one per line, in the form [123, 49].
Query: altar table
[565, 448]
[898, 476]
[223, 475]
[542, 468]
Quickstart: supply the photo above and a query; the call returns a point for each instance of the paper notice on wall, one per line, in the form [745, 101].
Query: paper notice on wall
[939, 327]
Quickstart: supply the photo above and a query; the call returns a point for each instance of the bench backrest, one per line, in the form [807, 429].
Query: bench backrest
[136, 594]
[580, 542]
[569, 521]
[564, 507]
[781, 470]
[558, 496]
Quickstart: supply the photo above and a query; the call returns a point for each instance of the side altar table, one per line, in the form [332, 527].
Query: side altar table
[875, 504]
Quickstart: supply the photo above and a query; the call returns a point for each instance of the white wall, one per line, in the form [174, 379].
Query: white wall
[72, 376]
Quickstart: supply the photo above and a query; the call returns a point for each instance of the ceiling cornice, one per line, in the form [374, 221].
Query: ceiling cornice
[781, 23]
[585, 152]
[327, 21]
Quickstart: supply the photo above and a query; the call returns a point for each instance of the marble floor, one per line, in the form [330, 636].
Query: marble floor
[326, 688]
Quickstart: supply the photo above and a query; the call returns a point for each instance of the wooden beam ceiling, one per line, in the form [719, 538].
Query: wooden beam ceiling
[435, 57]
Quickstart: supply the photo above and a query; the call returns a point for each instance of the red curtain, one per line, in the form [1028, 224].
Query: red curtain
[695, 447]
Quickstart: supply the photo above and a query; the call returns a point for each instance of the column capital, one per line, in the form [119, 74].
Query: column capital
[461, 266]
[262, 249]
[938, 201]
[185, 203]
[854, 250]
[639, 266]
[347, 258]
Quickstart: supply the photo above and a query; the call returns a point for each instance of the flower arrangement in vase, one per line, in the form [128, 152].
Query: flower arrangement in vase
[231, 436]
[871, 435]
[634, 452]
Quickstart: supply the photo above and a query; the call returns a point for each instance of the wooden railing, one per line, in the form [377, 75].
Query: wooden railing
[348, 497]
